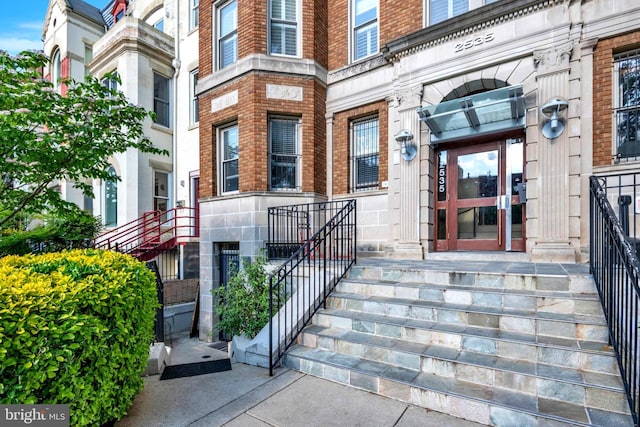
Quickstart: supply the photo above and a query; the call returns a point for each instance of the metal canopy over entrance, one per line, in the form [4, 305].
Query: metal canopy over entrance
[484, 113]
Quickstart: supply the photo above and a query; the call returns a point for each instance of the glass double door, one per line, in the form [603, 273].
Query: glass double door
[480, 197]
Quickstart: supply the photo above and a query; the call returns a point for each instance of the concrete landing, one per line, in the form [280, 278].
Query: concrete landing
[248, 396]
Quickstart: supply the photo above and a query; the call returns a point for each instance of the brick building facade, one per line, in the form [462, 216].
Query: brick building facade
[479, 88]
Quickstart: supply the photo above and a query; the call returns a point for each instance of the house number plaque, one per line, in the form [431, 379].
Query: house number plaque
[474, 42]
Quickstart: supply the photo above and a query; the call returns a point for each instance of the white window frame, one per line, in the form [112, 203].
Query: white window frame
[219, 38]
[194, 107]
[297, 155]
[56, 68]
[618, 108]
[222, 132]
[162, 101]
[355, 150]
[161, 198]
[427, 13]
[194, 14]
[353, 29]
[296, 23]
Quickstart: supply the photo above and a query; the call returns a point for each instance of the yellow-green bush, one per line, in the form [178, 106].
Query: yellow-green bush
[75, 328]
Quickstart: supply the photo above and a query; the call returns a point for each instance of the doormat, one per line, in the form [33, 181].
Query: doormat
[192, 369]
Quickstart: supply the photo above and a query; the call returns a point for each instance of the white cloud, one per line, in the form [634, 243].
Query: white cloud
[15, 45]
[34, 25]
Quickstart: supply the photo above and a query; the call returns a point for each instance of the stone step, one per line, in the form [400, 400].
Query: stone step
[576, 354]
[480, 403]
[560, 325]
[542, 379]
[523, 276]
[542, 301]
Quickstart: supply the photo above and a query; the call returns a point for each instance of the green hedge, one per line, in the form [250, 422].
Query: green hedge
[75, 328]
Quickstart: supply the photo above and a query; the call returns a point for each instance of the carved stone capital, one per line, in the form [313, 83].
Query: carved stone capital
[408, 97]
[554, 59]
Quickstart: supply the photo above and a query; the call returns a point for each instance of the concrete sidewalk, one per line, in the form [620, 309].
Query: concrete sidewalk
[248, 396]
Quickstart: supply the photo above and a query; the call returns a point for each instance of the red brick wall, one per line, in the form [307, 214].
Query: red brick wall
[603, 94]
[341, 165]
[252, 113]
[253, 108]
[396, 18]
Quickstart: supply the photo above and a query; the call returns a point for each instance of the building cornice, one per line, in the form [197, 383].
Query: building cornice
[475, 20]
[293, 67]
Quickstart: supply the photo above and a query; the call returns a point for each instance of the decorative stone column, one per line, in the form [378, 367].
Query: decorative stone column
[407, 186]
[553, 243]
[329, 183]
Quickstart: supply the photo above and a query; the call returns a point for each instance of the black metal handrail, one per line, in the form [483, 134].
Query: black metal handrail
[301, 285]
[616, 269]
[288, 227]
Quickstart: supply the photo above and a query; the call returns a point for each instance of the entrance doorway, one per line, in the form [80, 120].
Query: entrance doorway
[480, 196]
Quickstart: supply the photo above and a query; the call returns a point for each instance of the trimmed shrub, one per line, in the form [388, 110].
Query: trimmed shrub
[75, 328]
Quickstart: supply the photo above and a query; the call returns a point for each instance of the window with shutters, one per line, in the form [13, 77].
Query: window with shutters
[365, 154]
[364, 39]
[228, 155]
[284, 154]
[441, 10]
[627, 103]
[227, 34]
[283, 27]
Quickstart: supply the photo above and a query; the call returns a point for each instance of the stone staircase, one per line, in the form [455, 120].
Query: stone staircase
[496, 342]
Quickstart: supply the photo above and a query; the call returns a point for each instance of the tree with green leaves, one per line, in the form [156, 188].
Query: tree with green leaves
[46, 137]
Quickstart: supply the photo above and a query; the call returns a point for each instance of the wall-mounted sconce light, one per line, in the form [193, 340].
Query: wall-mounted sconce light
[407, 150]
[552, 111]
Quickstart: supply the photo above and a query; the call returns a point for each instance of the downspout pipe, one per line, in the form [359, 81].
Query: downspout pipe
[174, 113]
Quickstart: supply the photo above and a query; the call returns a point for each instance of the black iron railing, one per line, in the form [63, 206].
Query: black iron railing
[290, 226]
[301, 285]
[616, 269]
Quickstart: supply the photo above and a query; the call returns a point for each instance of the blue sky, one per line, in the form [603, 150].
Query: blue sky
[21, 23]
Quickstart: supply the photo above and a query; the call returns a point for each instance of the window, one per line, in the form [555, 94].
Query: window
[159, 25]
[627, 103]
[365, 154]
[194, 18]
[195, 108]
[111, 198]
[227, 34]
[160, 191]
[283, 27]
[161, 99]
[88, 56]
[228, 138]
[441, 10]
[283, 154]
[365, 28]
[110, 82]
[56, 67]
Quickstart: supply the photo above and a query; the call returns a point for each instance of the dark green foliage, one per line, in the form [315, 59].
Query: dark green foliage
[75, 328]
[243, 304]
[76, 230]
[47, 137]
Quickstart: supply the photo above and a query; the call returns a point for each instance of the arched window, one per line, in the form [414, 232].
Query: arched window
[111, 199]
[56, 66]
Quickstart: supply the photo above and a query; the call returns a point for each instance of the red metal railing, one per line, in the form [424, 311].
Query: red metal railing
[152, 233]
